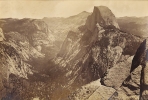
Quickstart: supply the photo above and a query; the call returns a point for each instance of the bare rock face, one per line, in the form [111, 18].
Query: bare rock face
[115, 76]
[103, 16]
[12, 62]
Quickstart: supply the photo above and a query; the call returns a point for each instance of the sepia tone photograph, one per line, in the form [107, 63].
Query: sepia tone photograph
[73, 50]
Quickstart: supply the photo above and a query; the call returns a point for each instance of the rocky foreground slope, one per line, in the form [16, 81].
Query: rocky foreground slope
[92, 64]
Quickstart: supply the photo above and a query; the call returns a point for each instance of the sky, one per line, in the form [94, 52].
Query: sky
[66, 8]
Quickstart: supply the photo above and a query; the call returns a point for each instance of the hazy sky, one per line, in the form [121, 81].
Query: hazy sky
[65, 8]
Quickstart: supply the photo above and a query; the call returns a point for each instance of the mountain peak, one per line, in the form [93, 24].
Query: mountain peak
[84, 12]
[103, 16]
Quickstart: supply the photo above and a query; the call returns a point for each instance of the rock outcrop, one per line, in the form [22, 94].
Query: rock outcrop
[133, 85]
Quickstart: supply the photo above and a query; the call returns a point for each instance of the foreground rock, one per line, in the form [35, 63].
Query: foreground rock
[131, 88]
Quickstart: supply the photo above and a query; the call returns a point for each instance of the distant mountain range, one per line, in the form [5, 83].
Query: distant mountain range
[133, 25]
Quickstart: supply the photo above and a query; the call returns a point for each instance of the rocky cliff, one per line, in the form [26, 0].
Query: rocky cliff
[22, 53]
[95, 50]
[103, 16]
[35, 33]
[133, 87]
